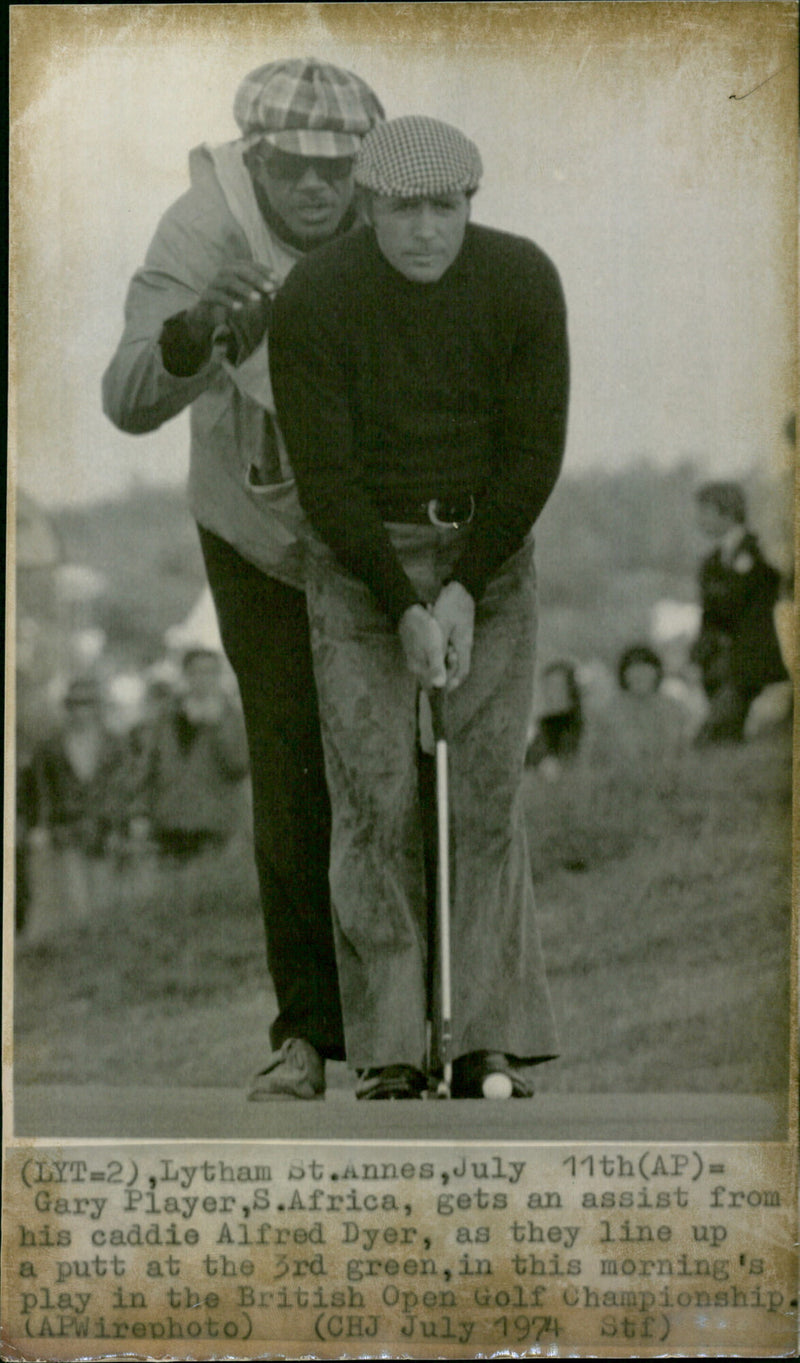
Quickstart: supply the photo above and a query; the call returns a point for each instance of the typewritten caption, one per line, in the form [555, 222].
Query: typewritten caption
[221, 1251]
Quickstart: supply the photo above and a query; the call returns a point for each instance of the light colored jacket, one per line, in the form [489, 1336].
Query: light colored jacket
[215, 222]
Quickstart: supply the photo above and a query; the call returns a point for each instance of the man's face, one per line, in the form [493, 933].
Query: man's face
[641, 679]
[712, 522]
[555, 691]
[310, 193]
[420, 237]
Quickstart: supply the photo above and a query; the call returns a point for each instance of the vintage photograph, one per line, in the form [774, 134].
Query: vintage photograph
[400, 613]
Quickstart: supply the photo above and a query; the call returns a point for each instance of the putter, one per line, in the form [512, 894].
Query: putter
[437, 699]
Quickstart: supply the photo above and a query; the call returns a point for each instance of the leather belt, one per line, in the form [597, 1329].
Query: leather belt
[445, 513]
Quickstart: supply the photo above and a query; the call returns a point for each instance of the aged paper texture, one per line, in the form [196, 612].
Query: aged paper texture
[644, 1202]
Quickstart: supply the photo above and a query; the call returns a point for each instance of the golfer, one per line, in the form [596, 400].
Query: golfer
[420, 372]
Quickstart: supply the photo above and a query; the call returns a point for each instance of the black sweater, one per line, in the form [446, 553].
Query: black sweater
[390, 391]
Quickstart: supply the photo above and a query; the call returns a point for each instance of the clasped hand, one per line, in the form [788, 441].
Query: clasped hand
[437, 641]
[240, 296]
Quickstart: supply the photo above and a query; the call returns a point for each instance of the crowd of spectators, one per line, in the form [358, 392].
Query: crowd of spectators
[95, 804]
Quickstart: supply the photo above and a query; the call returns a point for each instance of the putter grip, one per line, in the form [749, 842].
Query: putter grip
[436, 697]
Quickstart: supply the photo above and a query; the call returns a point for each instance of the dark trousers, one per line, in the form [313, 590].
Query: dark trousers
[729, 696]
[264, 628]
[728, 708]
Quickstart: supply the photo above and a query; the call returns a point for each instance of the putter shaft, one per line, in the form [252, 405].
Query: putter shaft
[437, 699]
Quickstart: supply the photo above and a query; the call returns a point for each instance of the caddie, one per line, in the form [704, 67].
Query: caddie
[196, 321]
[420, 371]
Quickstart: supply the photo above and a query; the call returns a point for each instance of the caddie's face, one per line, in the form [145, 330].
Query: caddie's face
[420, 237]
[310, 193]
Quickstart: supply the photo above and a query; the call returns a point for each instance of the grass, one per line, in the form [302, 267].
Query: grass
[664, 901]
[669, 953]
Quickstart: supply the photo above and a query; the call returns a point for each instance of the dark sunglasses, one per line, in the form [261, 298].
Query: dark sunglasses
[285, 165]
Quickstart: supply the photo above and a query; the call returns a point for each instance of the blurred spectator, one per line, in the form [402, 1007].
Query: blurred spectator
[159, 693]
[78, 794]
[737, 648]
[597, 685]
[642, 730]
[195, 761]
[560, 724]
[655, 723]
[26, 820]
[137, 858]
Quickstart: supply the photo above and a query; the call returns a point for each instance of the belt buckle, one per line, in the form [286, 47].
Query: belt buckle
[433, 515]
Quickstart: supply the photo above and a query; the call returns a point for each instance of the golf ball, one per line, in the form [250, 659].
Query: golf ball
[497, 1086]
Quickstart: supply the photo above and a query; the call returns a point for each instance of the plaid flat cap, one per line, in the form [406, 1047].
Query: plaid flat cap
[306, 107]
[415, 156]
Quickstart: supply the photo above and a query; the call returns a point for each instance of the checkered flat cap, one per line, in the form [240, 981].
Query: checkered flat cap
[306, 107]
[414, 157]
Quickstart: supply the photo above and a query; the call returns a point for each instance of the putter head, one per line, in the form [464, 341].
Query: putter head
[438, 1086]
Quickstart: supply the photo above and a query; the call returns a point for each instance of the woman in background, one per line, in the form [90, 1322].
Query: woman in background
[559, 728]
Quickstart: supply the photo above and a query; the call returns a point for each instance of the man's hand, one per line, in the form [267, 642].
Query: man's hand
[423, 645]
[240, 295]
[455, 612]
